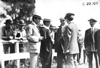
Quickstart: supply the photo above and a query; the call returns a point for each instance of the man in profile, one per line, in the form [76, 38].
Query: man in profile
[72, 50]
[34, 38]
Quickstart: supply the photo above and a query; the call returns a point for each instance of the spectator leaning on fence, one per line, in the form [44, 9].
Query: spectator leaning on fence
[7, 34]
[20, 34]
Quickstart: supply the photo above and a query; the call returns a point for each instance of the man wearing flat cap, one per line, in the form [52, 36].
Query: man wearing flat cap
[46, 44]
[89, 43]
[34, 38]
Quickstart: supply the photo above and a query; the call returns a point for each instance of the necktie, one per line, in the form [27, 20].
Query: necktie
[92, 31]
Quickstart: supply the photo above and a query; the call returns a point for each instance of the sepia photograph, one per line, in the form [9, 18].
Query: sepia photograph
[49, 33]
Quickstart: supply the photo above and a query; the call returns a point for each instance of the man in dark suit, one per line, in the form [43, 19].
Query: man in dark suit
[90, 43]
[7, 34]
[46, 44]
[61, 41]
[97, 43]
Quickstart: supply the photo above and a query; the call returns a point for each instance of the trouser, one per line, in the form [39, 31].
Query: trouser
[46, 60]
[60, 59]
[9, 48]
[90, 59]
[70, 60]
[79, 54]
[99, 57]
[33, 60]
[46, 63]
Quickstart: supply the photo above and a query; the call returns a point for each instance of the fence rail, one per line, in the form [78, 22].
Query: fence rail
[13, 56]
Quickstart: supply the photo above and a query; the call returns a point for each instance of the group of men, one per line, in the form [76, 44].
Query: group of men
[67, 43]
[68, 46]
[64, 41]
[40, 39]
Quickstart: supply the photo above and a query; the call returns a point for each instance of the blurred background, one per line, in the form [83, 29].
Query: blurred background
[83, 9]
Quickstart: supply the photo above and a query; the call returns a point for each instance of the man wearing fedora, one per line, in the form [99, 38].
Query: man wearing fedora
[46, 44]
[20, 34]
[89, 43]
[34, 40]
[7, 34]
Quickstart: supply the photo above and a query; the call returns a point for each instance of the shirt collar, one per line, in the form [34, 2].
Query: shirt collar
[33, 23]
[46, 27]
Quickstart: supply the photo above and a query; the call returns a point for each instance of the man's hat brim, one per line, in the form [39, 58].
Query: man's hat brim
[46, 20]
[92, 20]
[37, 16]
[8, 21]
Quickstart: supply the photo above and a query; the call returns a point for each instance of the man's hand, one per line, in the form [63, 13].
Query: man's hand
[10, 37]
[41, 38]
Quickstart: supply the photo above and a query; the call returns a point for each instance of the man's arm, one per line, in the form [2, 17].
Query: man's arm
[30, 35]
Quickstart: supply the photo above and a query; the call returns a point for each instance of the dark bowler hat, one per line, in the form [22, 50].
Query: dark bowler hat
[8, 21]
[92, 20]
[46, 20]
[68, 15]
[21, 22]
[37, 16]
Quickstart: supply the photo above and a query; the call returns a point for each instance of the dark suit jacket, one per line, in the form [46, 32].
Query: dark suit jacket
[46, 46]
[97, 40]
[88, 41]
[61, 43]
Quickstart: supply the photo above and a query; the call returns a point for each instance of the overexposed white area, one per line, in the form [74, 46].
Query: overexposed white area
[54, 9]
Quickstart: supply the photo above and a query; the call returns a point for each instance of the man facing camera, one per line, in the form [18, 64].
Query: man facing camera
[46, 44]
[8, 34]
[61, 39]
[89, 42]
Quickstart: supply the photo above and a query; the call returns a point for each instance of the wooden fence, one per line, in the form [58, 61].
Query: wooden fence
[13, 56]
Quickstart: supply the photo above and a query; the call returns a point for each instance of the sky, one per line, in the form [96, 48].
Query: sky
[54, 9]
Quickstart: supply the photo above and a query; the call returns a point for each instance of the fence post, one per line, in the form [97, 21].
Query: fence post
[17, 51]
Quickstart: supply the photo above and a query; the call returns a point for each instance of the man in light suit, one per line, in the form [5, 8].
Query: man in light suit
[89, 42]
[34, 39]
[73, 49]
[61, 42]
